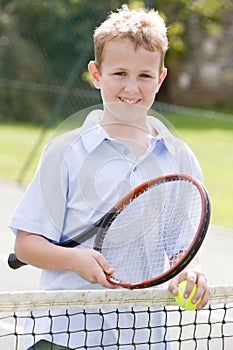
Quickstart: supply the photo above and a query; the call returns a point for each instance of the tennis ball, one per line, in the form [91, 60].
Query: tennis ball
[186, 303]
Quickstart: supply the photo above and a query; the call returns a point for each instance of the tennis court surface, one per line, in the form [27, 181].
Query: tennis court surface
[211, 328]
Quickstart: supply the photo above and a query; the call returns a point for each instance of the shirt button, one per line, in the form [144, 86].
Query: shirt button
[126, 152]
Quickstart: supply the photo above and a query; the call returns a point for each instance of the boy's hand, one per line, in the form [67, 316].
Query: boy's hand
[192, 277]
[92, 266]
[87, 263]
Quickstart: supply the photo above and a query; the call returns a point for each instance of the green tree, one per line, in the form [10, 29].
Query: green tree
[44, 42]
[21, 64]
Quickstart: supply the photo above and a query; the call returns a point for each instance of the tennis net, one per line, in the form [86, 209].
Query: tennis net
[115, 319]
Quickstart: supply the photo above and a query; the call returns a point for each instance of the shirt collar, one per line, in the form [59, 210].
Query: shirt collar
[93, 134]
[163, 134]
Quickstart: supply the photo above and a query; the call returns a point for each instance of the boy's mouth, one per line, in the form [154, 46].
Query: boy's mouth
[131, 101]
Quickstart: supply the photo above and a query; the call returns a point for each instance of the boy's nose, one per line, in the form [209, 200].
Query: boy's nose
[131, 86]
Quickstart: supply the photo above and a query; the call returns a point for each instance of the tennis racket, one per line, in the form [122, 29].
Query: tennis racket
[152, 233]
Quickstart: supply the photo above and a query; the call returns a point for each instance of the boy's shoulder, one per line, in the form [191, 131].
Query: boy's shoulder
[67, 134]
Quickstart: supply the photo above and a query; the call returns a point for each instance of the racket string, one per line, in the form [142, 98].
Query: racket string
[153, 231]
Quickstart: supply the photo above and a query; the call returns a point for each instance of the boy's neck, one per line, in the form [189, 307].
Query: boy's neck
[135, 136]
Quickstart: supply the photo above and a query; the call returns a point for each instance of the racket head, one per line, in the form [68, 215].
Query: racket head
[154, 231]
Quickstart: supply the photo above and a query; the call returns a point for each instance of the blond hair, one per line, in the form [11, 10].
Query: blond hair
[145, 28]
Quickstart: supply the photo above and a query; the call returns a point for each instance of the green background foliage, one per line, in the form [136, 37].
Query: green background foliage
[45, 46]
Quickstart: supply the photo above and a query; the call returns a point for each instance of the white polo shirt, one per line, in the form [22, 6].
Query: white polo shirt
[81, 175]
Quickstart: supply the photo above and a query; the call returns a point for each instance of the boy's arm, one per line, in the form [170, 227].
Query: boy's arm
[87, 263]
[192, 274]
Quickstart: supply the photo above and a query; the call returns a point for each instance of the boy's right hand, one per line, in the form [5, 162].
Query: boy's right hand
[87, 263]
[91, 266]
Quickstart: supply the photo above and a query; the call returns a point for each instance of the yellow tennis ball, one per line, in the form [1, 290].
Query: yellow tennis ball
[186, 303]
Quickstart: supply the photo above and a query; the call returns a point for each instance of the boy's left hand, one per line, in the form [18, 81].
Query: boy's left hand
[192, 277]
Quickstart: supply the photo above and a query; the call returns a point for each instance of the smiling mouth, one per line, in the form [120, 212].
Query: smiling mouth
[131, 101]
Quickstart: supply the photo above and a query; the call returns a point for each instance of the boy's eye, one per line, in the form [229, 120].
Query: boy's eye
[145, 75]
[120, 74]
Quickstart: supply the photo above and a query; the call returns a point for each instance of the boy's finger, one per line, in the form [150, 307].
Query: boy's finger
[104, 264]
[191, 280]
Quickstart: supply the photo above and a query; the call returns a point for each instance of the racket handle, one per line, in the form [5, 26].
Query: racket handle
[14, 262]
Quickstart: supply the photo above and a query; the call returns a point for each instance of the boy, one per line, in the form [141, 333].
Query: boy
[84, 172]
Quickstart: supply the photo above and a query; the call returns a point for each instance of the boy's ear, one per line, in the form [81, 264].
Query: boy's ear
[162, 76]
[94, 73]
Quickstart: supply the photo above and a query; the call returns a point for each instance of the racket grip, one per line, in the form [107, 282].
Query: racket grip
[14, 262]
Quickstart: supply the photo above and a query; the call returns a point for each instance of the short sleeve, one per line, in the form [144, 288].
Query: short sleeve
[43, 206]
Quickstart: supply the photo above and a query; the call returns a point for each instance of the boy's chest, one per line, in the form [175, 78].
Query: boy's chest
[110, 172]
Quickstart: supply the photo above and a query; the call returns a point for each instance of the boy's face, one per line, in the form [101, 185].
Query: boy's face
[128, 77]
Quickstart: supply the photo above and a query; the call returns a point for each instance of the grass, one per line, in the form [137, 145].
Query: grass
[211, 139]
[16, 144]
[212, 142]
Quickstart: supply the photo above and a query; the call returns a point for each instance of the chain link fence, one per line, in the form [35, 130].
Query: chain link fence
[44, 50]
